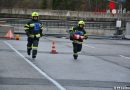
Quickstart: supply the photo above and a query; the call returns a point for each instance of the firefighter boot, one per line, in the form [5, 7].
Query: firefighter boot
[34, 53]
[29, 51]
[75, 55]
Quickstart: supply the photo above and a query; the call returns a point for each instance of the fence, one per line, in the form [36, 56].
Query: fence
[62, 26]
[62, 13]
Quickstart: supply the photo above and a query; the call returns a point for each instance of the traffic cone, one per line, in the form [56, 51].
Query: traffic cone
[53, 51]
[17, 37]
[9, 35]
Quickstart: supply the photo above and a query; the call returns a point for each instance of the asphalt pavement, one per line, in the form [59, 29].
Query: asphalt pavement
[102, 65]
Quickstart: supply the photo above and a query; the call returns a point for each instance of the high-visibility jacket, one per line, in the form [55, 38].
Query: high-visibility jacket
[34, 28]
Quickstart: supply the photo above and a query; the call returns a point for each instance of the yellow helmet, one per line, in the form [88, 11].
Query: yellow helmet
[35, 14]
[81, 22]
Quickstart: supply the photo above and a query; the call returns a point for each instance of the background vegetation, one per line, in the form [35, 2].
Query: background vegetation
[77, 5]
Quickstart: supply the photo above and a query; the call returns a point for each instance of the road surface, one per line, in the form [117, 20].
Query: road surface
[102, 65]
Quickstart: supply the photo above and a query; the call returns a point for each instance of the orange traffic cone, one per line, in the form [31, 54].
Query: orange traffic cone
[9, 35]
[53, 48]
[17, 37]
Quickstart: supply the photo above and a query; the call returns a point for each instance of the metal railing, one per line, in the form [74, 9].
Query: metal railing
[64, 13]
[62, 26]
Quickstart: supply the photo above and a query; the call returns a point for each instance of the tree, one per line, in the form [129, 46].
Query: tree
[44, 4]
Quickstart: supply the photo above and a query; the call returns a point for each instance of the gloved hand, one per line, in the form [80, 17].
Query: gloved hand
[27, 34]
[41, 34]
[85, 36]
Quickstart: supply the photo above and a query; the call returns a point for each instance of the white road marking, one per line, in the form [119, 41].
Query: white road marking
[39, 70]
[124, 57]
[88, 46]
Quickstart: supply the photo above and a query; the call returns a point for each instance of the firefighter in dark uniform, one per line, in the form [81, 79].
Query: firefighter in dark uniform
[77, 35]
[33, 31]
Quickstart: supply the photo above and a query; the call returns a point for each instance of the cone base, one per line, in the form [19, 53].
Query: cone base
[53, 52]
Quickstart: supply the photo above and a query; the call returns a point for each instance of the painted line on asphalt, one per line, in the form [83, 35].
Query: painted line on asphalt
[88, 46]
[58, 85]
[124, 56]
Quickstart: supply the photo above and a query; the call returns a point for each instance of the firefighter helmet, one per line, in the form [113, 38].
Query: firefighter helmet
[81, 23]
[35, 14]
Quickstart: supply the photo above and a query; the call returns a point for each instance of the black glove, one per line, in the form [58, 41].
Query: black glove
[27, 34]
[41, 34]
[85, 37]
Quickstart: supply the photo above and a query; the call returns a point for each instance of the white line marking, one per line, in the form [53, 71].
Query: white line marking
[39, 70]
[124, 57]
[88, 46]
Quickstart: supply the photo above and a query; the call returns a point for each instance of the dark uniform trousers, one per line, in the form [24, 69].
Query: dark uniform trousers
[77, 47]
[32, 45]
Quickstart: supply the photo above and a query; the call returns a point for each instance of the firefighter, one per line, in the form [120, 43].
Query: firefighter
[33, 31]
[77, 35]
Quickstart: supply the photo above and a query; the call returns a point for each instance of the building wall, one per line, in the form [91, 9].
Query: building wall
[127, 34]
